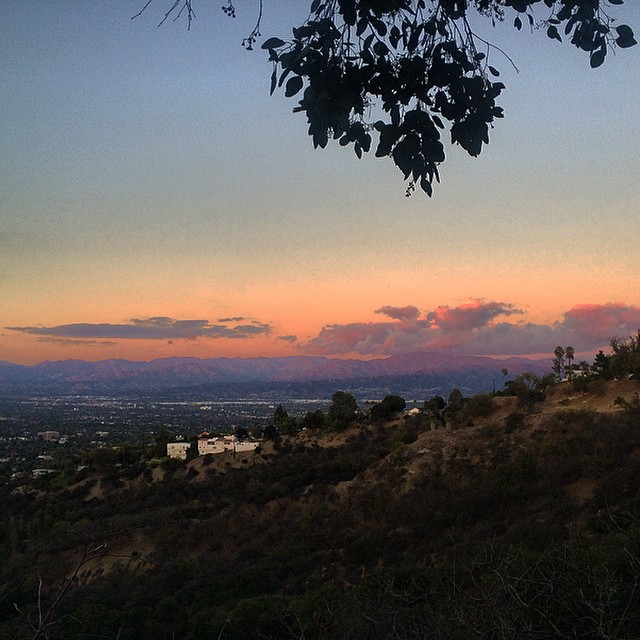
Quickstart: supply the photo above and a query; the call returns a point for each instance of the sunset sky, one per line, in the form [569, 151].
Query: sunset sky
[155, 201]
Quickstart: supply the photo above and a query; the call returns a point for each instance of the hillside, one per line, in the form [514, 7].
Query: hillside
[518, 522]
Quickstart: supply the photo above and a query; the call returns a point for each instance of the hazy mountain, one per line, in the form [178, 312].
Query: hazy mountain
[409, 374]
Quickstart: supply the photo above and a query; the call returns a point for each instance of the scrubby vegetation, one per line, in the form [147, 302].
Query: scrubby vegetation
[506, 516]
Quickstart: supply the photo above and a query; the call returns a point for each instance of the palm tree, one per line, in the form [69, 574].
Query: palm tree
[569, 353]
[558, 363]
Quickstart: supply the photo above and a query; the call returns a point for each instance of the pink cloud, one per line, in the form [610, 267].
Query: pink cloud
[444, 328]
[474, 314]
[592, 321]
[471, 329]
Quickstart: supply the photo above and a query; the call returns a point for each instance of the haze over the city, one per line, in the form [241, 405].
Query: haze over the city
[157, 202]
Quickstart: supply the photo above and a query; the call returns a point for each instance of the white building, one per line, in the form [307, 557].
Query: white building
[178, 449]
[220, 444]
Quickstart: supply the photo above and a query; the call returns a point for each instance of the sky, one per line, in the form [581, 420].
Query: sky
[156, 201]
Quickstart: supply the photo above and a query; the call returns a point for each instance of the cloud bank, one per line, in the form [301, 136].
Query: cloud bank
[477, 327]
[156, 328]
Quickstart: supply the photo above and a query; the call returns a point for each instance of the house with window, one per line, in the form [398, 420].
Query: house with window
[178, 450]
[220, 444]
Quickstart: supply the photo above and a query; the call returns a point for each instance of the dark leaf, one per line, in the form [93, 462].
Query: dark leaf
[380, 49]
[273, 43]
[552, 32]
[348, 11]
[365, 143]
[625, 36]
[425, 185]
[625, 43]
[293, 86]
[517, 23]
[379, 26]
[597, 58]
[494, 71]
[274, 82]
[283, 76]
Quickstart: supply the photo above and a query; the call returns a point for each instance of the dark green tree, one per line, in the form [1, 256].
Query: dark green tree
[558, 363]
[602, 365]
[282, 421]
[313, 420]
[242, 433]
[435, 405]
[455, 400]
[387, 408]
[160, 441]
[528, 388]
[409, 70]
[343, 410]
[569, 353]
[625, 357]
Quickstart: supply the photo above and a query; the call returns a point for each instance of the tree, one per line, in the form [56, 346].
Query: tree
[435, 405]
[343, 409]
[387, 408]
[569, 353]
[282, 421]
[160, 441]
[241, 433]
[455, 400]
[558, 363]
[313, 420]
[602, 365]
[418, 65]
[625, 359]
[528, 388]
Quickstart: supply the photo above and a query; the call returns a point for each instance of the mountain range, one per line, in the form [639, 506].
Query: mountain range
[416, 375]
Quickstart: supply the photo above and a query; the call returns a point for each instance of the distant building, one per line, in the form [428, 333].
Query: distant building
[38, 473]
[49, 436]
[220, 444]
[178, 450]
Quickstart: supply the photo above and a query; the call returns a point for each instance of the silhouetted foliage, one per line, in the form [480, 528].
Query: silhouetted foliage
[343, 409]
[387, 407]
[478, 406]
[418, 66]
[528, 388]
[625, 357]
[313, 420]
[283, 422]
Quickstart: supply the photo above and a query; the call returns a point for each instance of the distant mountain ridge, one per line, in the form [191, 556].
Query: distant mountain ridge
[298, 374]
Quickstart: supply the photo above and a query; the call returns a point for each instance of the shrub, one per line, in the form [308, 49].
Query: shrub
[479, 406]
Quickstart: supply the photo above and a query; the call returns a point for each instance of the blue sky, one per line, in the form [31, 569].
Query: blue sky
[147, 173]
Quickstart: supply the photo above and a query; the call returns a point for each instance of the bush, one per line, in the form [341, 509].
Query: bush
[479, 406]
